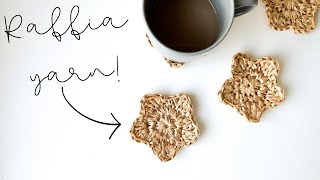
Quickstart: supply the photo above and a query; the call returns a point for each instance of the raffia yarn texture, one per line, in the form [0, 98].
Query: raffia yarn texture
[173, 64]
[298, 15]
[253, 87]
[149, 41]
[165, 124]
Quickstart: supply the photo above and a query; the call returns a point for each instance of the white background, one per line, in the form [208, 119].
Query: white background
[42, 138]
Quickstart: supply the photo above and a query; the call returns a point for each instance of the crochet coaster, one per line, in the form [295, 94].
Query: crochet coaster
[165, 124]
[298, 15]
[253, 86]
[173, 64]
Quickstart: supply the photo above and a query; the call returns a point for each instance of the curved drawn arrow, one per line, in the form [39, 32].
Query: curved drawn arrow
[118, 124]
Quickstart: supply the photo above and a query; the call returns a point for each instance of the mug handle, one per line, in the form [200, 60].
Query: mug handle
[244, 6]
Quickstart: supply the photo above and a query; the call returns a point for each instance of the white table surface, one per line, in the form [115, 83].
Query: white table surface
[42, 138]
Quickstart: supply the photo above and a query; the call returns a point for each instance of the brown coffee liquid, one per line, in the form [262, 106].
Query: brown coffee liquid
[184, 25]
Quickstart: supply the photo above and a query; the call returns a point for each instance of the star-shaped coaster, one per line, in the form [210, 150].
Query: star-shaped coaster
[253, 87]
[165, 124]
[298, 15]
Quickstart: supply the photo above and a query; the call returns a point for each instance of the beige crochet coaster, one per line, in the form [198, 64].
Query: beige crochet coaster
[253, 86]
[149, 41]
[165, 124]
[173, 64]
[298, 15]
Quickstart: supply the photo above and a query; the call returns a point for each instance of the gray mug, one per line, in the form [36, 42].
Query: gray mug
[226, 10]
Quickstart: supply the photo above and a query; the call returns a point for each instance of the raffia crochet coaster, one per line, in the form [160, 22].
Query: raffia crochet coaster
[253, 87]
[165, 124]
[172, 63]
[298, 15]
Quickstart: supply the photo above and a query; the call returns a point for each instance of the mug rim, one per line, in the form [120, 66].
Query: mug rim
[181, 56]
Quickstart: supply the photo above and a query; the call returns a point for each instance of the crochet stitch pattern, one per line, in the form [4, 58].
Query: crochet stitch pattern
[166, 124]
[298, 15]
[253, 87]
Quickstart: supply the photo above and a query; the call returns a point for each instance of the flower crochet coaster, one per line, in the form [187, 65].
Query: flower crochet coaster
[253, 86]
[173, 64]
[298, 15]
[165, 124]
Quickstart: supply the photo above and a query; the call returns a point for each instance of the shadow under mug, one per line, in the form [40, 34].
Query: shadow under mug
[226, 11]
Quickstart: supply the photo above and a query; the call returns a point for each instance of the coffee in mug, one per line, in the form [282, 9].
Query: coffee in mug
[184, 25]
[182, 30]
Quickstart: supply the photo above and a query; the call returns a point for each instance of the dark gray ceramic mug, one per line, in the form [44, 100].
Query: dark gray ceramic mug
[226, 11]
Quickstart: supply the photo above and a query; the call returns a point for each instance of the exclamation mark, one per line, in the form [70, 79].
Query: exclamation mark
[118, 68]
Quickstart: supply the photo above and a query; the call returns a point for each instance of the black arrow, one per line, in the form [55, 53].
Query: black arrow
[118, 124]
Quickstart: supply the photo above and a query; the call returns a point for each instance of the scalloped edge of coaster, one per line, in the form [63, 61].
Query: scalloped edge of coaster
[165, 124]
[173, 64]
[286, 17]
[247, 73]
